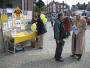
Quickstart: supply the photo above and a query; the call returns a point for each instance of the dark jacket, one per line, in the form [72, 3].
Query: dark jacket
[59, 32]
[40, 27]
[67, 24]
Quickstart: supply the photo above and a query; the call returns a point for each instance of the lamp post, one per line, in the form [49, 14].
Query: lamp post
[84, 9]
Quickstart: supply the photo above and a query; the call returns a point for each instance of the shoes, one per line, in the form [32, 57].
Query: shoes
[40, 48]
[73, 55]
[59, 57]
[60, 60]
[78, 58]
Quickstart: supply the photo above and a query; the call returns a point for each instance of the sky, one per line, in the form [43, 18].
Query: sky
[69, 2]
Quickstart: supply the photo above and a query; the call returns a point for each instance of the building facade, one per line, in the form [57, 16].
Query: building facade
[23, 4]
[53, 8]
[84, 8]
[79, 7]
[4, 3]
[88, 6]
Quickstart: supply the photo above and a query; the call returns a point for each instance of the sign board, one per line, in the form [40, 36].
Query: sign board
[29, 15]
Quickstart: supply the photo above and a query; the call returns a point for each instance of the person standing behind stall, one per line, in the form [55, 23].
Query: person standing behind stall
[78, 37]
[41, 30]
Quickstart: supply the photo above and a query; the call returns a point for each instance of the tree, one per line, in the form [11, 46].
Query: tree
[88, 6]
[36, 9]
[39, 6]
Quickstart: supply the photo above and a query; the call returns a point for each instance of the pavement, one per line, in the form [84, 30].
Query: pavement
[44, 58]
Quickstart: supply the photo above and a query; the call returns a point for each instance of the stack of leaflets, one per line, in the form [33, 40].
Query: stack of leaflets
[75, 29]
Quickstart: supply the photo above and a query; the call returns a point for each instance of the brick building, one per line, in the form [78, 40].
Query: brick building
[23, 4]
[53, 8]
[81, 8]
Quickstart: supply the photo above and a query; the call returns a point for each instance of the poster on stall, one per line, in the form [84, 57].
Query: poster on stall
[10, 24]
[4, 19]
[28, 15]
[18, 23]
[5, 26]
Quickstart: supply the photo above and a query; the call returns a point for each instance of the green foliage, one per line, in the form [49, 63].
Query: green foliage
[39, 6]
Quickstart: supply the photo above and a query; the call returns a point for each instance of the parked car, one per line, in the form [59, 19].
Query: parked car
[88, 20]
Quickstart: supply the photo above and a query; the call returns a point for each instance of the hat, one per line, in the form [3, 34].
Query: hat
[59, 15]
[78, 14]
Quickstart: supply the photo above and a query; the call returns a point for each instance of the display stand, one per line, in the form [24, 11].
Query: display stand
[16, 36]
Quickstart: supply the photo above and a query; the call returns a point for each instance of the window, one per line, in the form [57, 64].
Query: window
[54, 8]
[64, 6]
[84, 14]
[61, 6]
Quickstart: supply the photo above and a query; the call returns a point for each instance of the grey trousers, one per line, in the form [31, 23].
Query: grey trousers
[39, 43]
[59, 48]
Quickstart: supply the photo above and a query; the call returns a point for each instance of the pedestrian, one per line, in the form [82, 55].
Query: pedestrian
[59, 36]
[41, 30]
[52, 20]
[52, 23]
[67, 26]
[78, 37]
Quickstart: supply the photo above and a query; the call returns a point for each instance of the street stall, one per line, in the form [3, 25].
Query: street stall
[14, 30]
[20, 37]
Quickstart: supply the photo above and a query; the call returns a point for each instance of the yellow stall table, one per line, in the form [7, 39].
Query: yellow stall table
[21, 37]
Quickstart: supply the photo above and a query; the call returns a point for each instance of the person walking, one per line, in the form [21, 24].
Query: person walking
[59, 36]
[78, 37]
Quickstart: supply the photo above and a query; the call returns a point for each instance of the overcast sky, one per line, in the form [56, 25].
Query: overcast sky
[69, 2]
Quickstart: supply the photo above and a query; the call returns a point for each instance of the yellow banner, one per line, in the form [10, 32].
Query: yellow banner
[4, 18]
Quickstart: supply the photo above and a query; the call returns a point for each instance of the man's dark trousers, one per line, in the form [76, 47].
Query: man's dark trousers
[59, 48]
